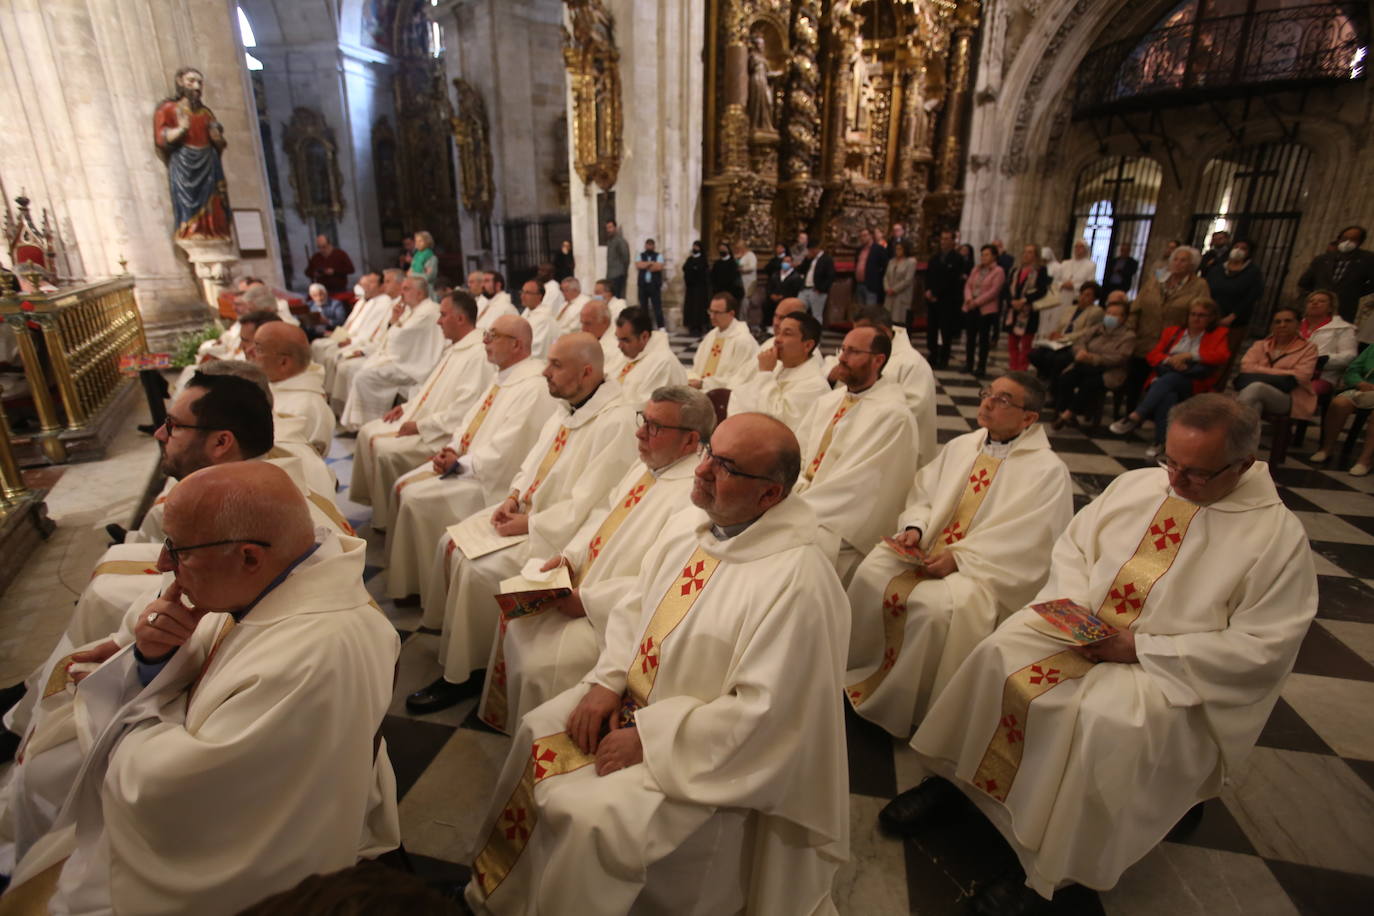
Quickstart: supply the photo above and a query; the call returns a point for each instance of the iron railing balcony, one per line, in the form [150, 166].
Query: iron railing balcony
[1225, 56]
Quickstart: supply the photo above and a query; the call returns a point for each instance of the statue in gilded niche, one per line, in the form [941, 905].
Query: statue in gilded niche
[471, 131]
[760, 102]
[593, 63]
[190, 139]
[861, 93]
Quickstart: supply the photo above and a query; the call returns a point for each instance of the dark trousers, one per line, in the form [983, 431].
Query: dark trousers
[1137, 371]
[942, 327]
[651, 294]
[1079, 388]
[1049, 362]
[977, 338]
[1164, 392]
[617, 285]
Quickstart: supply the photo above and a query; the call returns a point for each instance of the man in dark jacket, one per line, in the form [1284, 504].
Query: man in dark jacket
[1348, 271]
[870, 263]
[818, 273]
[945, 275]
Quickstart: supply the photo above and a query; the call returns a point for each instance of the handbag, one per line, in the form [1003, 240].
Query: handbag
[1284, 383]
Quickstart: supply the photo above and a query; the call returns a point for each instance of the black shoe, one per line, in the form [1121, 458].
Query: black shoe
[117, 533]
[1008, 897]
[442, 694]
[968, 368]
[908, 811]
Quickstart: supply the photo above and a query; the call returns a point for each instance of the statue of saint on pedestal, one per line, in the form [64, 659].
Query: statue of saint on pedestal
[190, 139]
[759, 106]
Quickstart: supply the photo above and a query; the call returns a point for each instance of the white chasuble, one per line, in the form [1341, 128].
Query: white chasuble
[578, 458]
[302, 396]
[731, 666]
[380, 456]
[725, 358]
[247, 764]
[1219, 597]
[858, 460]
[998, 518]
[492, 439]
[783, 393]
[655, 366]
[498, 306]
[407, 354]
[538, 656]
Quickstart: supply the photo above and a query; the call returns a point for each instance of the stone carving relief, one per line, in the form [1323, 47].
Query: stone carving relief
[593, 64]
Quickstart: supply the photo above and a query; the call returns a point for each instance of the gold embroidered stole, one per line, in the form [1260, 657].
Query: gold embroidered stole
[331, 511]
[611, 524]
[849, 401]
[713, 358]
[125, 568]
[1121, 607]
[560, 443]
[899, 589]
[625, 369]
[476, 423]
[433, 380]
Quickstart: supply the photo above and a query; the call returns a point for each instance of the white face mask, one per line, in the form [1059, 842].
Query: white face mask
[1346, 246]
[1237, 254]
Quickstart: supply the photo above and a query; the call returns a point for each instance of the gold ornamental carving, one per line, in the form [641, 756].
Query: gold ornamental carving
[593, 64]
[314, 157]
[472, 136]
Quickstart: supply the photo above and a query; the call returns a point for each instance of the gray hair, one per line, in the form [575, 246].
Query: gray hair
[259, 297]
[1207, 412]
[573, 282]
[1193, 254]
[250, 372]
[392, 273]
[316, 286]
[1032, 386]
[419, 281]
[698, 414]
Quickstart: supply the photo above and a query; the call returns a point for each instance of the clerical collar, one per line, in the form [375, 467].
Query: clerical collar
[243, 611]
[994, 449]
[725, 532]
[858, 391]
[503, 374]
[578, 405]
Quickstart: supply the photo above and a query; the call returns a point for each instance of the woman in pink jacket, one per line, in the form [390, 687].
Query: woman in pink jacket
[1276, 374]
[982, 294]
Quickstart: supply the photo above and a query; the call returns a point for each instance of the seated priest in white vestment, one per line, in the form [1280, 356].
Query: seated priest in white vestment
[596, 321]
[647, 362]
[978, 522]
[362, 345]
[788, 380]
[539, 315]
[567, 315]
[283, 352]
[790, 306]
[231, 750]
[584, 447]
[1084, 757]
[602, 290]
[249, 320]
[700, 766]
[537, 656]
[408, 434]
[475, 467]
[496, 301]
[726, 354]
[228, 344]
[859, 452]
[909, 369]
[326, 349]
[406, 357]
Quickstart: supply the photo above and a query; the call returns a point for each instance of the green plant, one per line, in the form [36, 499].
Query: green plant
[186, 346]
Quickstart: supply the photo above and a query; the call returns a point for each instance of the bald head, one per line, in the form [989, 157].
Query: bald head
[282, 350]
[764, 460]
[596, 317]
[507, 341]
[784, 308]
[774, 444]
[576, 367]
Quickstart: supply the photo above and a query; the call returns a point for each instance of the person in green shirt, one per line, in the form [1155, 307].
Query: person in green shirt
[424, 263]
[1358, 395]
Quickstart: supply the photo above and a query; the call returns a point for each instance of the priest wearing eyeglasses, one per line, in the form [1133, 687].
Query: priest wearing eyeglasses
[1084, 757]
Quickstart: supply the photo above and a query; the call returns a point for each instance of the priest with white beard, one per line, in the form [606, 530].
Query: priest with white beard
[475, 468]
[1085, 757]
[326, 349]
[567, 316]
[582, 451]
[406, 357]
[647, 362]
[539, 315]
[859, 448]
[411, 432]
[297, 384]
[539, 655]
[364, 340]
[979, 518]
[726, 354]
[788, 381]
[701, 764]
[229, 753]
[497, 301]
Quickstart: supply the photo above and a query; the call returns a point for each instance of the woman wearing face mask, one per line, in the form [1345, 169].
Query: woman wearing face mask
[564, 264]
[696, 278]
[1236, 284]
[725, 275]
[1099, 363]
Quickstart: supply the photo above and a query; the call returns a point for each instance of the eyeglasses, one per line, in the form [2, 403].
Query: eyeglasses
[173, 552]
[172, 426]
[1191, 475]
[653, 427]
[850, 351]
[729, 467]
[489, 336]
[1001, 399]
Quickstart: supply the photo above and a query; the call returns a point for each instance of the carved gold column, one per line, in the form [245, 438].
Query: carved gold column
[12, 488]
[734, 124]
[48, 425]
[956, 95]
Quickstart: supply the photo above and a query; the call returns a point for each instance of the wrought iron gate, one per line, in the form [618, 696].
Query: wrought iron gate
[1114, 204]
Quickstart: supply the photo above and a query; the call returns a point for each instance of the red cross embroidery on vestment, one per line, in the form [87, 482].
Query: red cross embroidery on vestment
[979, 480]
[895, 604]
[989, 786]
[1165, 533]
[649, 651]
[560, 440]
[548, 755]
[953, 533]
[1047, 675]
[498, 674]
[889, 659]
[513, 823]
[1125, 598]
[1014, 734]
[635, 496]
[692, 578]
[596, 547]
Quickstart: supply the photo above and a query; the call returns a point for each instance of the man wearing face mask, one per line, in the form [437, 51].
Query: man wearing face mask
[785, 283]
[1349, 271]
[1236, 284]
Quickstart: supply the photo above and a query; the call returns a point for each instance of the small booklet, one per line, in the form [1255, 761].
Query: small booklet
[520, 595]
[476, 537]
[1070, 623]
[908, 554]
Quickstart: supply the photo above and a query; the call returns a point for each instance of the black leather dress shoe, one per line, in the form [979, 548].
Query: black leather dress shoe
[907, 812]
[1008, 897]
[442, 694]
[117, 533]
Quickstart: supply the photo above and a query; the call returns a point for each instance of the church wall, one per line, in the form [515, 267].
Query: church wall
[77, 98]
[658, 191]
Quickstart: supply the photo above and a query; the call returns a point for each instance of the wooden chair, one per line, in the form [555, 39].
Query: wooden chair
[720, 400]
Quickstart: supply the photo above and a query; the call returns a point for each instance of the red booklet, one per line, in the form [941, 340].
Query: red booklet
[906, 553]
[1070, 622]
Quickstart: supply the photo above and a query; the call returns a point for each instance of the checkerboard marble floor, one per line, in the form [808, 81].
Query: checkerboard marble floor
[1293, 833]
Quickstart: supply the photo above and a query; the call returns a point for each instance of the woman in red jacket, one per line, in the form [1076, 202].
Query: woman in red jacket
[1186, 361]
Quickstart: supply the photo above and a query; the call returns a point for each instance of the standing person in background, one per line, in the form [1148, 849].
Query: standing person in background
[1162, 265]
[819, 273]
[1160, 305]
[1007, 263]
[1217, 254]
[1120, 271]
[725, 273]
[1236, 284]
[650, 267]
[1069, 278]
[982, 292]
[869, 266]
[407, 253]
[617, 259]
[1030, 283]
[899, 282]
[425, 263]
[329, 266]
[696, 278]
[786, 283]
[1348, 271]
[945, 276]
[564, 264]
[800, 249]
[748, 263]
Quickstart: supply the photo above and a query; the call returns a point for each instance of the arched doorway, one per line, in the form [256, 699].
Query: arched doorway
[1114, 205]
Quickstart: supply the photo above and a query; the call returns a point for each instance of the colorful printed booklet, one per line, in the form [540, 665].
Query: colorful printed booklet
[1070, 623]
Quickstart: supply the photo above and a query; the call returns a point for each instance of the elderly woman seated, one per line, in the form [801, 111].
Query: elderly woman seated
[1358, 395]
[1333, 335]
[331, 312]
[1099, 362]
[1276, 374]
[1186, 360]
